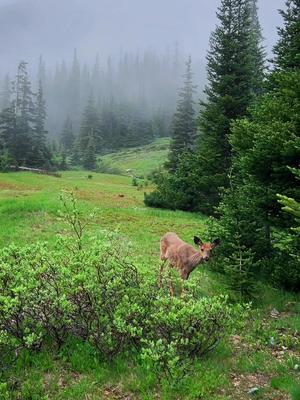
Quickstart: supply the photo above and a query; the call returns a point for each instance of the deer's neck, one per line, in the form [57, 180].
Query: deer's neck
[194, 260]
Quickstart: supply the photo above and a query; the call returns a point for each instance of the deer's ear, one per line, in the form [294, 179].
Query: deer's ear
[216, 242]
[197, 240]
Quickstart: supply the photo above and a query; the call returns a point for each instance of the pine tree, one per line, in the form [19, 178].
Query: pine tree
[40, 117]
[266, 150]
[67, 136]
[23, 103]
[40, 153]
[74, 92]
[234, 72]
[184, 126]
[89, 158]
[90, 126]
[8, 131]
[258, 51]
[287, 50]
[5, 93]
[76, 153]
[41, 78]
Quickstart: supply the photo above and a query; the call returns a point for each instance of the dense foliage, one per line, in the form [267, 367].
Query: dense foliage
[243, 163]
[235, 75]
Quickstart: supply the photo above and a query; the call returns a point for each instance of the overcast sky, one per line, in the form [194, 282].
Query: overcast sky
[55, 27]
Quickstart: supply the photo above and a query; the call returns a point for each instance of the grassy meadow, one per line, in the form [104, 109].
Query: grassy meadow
[29, 212]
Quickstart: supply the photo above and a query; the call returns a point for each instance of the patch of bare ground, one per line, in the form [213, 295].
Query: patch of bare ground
[103, 198]
[244, 383]
[62, 381]
[17, 188]
[116, 393]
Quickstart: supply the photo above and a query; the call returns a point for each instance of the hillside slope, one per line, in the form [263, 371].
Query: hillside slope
[139, 160]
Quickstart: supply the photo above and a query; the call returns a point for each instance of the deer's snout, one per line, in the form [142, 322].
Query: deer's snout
[206, 258]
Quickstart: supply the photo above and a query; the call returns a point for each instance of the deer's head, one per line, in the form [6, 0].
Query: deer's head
[206, 248]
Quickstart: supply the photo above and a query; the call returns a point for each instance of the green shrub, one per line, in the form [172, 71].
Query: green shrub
[182, 329]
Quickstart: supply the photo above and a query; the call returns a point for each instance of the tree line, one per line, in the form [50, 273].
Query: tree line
[246, 151]
[89, 111]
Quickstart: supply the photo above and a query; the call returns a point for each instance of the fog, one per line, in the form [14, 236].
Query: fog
[54, 28]
[128, 35]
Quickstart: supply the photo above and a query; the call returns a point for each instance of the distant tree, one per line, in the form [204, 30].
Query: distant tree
[89, 160]
[8, 132]
[90, 126]
[23, 105]
[67, 136]
[5, 93]
[63, 165]
[22, 123]
[184, 130]
[41, 154]
[41, 78]
[74, 92]
[76, 153]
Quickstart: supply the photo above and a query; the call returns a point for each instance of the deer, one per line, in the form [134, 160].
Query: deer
[183, 256]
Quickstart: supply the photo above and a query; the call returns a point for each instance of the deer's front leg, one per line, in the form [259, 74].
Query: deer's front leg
[170, 282]
[184, 276]
[161, 270]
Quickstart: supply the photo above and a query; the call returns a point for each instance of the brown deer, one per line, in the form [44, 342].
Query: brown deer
[182, 255]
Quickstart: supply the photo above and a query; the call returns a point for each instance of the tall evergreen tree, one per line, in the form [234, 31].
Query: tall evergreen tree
[41, 78]
[40, 153]
[24, 110]
[266, 151]
[74, 92]
[184, 126]
[258, 51]
[287, 50]
[235, 68]
[22, 123]
[67, 137]
[5, 93]
[89, 160]
[90, 126]
[234, 72]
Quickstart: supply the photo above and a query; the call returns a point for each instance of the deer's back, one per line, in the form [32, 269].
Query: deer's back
[175, 249]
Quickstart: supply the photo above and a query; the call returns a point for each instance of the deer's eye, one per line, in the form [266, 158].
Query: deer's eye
[202, 248]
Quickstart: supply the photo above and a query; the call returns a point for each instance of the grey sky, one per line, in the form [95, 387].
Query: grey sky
[55, 27]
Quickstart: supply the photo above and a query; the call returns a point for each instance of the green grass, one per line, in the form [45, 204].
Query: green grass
[29, 212]
[30, 204]
[140, 160]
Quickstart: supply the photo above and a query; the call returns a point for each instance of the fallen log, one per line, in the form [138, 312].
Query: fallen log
[35, 170]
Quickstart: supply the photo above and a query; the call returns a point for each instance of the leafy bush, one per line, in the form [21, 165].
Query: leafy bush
[182, 329]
